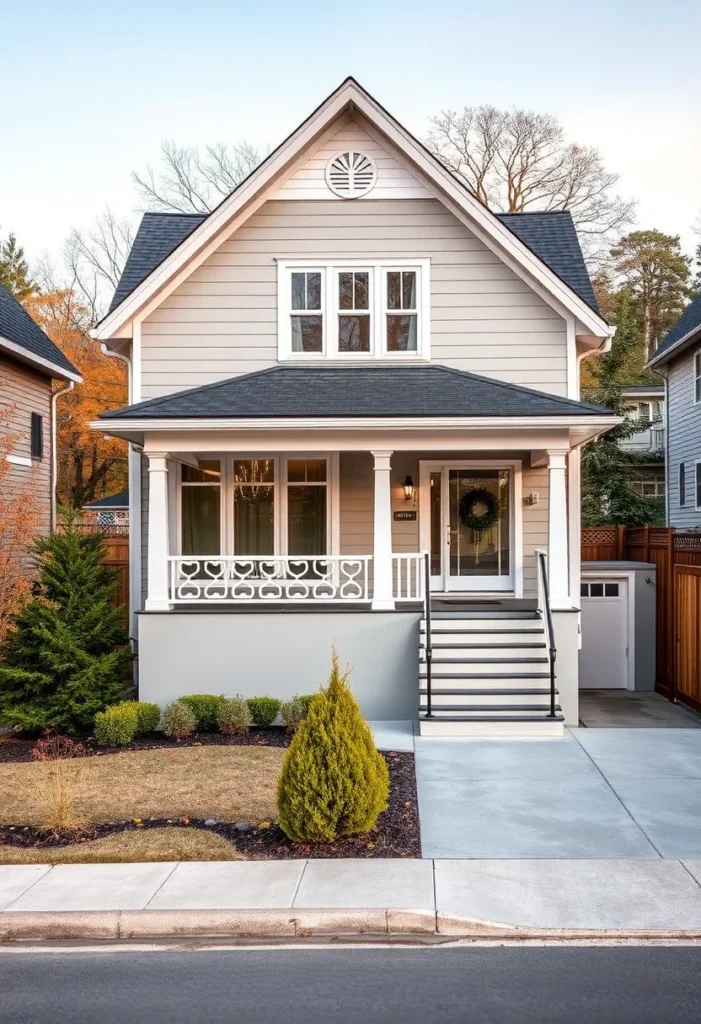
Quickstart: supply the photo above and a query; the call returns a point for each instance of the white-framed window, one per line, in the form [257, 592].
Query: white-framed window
[651, 488]
[682, 484]
[354, 309]
[697, 377]
[260, 505]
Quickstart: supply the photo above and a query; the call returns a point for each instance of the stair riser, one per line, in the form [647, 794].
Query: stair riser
[497, 668]
[480, 625]
[486, 729]
[489, 654]
[502, 699]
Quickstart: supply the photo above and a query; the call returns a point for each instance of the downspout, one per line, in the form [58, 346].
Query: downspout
[54, 454]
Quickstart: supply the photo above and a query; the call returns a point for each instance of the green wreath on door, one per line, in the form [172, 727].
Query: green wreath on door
[482, 521]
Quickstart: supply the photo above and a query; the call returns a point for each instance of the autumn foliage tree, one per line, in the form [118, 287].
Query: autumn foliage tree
[90, 465]
[20, 513]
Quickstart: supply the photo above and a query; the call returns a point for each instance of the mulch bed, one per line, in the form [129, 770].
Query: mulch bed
[396, 834]
[14, 749]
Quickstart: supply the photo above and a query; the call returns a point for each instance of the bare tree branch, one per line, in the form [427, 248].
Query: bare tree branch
[191, 181]
[517, 161]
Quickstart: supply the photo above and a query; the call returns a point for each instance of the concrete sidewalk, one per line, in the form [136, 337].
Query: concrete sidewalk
[521, 898]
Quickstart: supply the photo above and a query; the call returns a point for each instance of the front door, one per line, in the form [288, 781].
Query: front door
[471, 528]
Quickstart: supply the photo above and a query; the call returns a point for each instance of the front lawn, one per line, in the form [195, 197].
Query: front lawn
[127, 847]
[228, 783]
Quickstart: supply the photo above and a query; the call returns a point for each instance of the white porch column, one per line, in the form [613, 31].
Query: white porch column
[157, 593]
[558, 564]
[382, 533]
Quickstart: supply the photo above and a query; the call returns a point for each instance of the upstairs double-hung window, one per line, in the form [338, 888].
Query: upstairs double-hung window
[347, 311]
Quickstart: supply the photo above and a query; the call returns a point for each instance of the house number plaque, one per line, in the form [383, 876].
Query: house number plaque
[404, 516]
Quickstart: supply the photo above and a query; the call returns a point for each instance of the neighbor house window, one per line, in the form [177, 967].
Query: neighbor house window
[682, 484]
[652, 488]
[354, 309]
[37, 436]
[200, 508]
[698, 485]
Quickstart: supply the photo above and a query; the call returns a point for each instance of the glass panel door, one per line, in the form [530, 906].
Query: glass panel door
[254, 507]
[478, 529]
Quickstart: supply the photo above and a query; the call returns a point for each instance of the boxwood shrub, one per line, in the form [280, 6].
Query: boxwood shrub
[117, 725]
[206, 707]
[264, 710]
[234, 716]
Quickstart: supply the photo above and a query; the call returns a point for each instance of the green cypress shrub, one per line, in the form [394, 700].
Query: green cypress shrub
[117, 726]
[206, 707]
[264, 710]
[333, 782]
[68, 654]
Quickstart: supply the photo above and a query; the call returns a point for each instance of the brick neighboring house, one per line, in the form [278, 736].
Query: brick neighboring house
[29, 364]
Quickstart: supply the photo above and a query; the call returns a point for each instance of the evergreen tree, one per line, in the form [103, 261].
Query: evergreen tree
[68, 654]
[14, 269]
[608, 471]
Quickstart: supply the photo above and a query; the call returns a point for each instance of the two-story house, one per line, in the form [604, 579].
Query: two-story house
[645, 404]
[678, 360]
[354, 419]
[29, 364]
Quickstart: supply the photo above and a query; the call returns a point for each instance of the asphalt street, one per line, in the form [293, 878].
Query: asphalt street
[579, 985]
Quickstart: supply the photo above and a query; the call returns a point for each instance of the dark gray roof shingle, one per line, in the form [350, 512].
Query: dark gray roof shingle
[120, 500]
[17, 326]
[689, 321]
[329, 391]
[551, 236]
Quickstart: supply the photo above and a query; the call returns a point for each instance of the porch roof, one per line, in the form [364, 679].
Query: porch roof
[302, 392]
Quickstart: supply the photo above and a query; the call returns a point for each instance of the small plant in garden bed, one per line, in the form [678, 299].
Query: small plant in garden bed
[117, 726]
[293, 712]
[234, 716]
[206, 707]
[264, 710]
[179, 721]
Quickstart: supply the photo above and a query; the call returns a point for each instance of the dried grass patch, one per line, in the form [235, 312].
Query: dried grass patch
[227, 783]
[128, 847]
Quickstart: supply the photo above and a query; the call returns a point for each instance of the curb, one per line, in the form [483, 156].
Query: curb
[285, 924]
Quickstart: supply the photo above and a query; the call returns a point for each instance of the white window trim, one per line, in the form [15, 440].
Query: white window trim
[280, 533]
[19, 460]
[697, 375]
[377, 269]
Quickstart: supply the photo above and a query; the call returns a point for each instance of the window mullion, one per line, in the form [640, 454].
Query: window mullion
[379, 277]
[329, 286]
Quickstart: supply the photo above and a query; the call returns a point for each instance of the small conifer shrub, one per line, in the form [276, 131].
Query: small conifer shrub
[333, 782]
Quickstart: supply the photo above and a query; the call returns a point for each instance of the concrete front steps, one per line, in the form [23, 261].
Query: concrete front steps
[490, 675]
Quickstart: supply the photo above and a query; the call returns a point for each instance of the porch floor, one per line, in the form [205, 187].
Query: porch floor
[631, 709]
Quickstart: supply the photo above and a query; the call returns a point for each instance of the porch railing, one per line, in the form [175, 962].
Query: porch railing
[230, 579]
[408, 577]
[545, 613]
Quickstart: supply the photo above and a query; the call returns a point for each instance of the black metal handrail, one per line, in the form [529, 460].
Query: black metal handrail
[547, 616]
[428, 644]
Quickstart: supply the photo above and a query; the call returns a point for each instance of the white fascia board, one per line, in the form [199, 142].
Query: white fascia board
[693, 335]
[51, 369]
[482, 221]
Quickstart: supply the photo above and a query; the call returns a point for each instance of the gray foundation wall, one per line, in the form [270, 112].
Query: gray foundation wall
[281, 654]
[566, 626]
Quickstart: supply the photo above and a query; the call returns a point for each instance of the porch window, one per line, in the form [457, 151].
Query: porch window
[306, 507]
[254, 506]
[201, 508]
[354, 308]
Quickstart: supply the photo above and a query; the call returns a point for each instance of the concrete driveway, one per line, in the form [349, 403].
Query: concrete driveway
[595, 793]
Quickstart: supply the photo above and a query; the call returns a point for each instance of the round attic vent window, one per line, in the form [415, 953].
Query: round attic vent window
[350, 175]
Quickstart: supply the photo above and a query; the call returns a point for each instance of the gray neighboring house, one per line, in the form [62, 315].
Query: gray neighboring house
[29, 365]
[336, 377]
[678, 361]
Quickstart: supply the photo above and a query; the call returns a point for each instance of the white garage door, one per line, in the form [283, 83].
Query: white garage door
[603, 660]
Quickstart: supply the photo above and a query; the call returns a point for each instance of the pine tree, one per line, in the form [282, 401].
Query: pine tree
[333, 781]
[14, 270]
[608, 470]
[68, 654]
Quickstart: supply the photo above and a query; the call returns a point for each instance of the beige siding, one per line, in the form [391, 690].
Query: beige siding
[25, 391]
[223, 320]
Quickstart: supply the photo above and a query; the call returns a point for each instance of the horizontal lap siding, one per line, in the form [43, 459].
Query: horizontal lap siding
[222, 321]
[25, 391]
[684, 439]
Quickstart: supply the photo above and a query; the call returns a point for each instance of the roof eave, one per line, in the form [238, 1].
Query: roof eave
[46, 366]
[660, 358]
[349, 93]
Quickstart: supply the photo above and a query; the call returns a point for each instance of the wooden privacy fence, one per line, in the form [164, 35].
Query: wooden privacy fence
[117, 558]
[677, 557]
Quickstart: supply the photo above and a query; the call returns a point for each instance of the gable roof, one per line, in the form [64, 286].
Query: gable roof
[308, 391]
[684, 332]
[550, 236]
[250, 194]
[24, 339]
[120, 500]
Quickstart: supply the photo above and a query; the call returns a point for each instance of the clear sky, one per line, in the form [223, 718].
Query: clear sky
[90, 89]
